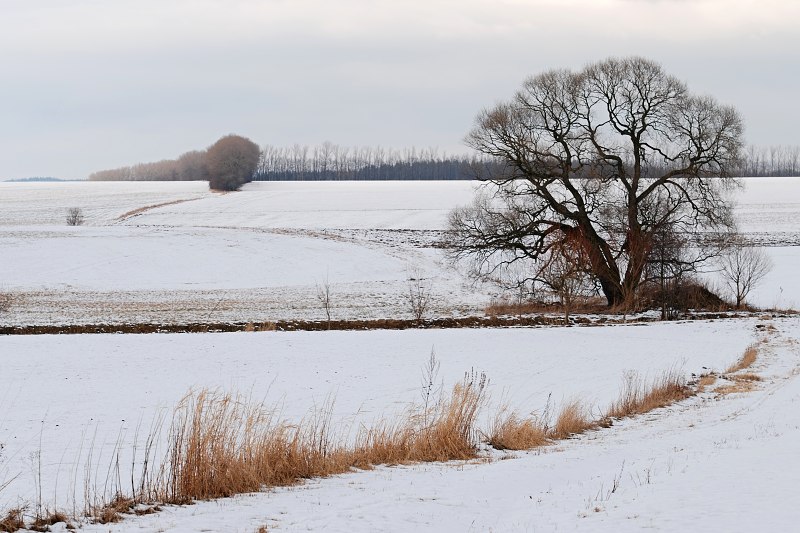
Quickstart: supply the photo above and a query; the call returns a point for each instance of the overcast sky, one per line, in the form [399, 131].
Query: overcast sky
[95, 84]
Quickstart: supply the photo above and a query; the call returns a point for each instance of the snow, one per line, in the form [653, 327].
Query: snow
[709, 463]
[395, 205]
[141, 259]
[33, 204]
[64, 394]
[259, 254]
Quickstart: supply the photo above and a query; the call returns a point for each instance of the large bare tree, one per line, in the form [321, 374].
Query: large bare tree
[606, 157]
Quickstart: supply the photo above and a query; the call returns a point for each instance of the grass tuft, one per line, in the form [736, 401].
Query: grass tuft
[43, 523]
[705, 381]
[510, 432]
[12, 521]
[573, 419]
[637, 397]
[746, 361]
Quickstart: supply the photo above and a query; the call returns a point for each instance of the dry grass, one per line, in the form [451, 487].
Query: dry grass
[261, 326]
[506, 307]
[735, 387]
[746, 361]
[748, 376]
[442, 432]
[705, 381]
[738, 383]
[43, 523]
[637, 397]
[510, 432]
[112, 511]
[222, 445]
[573, 419]
[12, 521]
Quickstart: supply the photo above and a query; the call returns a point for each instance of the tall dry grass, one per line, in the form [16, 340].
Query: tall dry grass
[509, 431]
[573, 419]
[220, 445]
[639, 397]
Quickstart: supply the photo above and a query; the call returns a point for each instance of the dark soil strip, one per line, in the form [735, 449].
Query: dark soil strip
[344, 325]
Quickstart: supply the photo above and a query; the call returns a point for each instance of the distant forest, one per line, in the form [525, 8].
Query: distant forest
[332, 162]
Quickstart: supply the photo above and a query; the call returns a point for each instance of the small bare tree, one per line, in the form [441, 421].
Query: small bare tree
[419, 294]
[324, 297]
[565, 274]
[743, 267]
[75, 216]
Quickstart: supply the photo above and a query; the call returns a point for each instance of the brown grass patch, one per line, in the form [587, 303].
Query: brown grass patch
[745, 361]
[705, 381]
[573, 419]
[506, 307]
[735, 387]
[222, 445]
[43, 523]
[12, 521]
[443, 432]
[637, 397]
[510, 432]
[745, 377]
[112, 511]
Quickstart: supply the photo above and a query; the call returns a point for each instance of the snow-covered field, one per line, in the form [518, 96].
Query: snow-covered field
[260, 254]
[710, 463]
[64, 394]
[692, 467]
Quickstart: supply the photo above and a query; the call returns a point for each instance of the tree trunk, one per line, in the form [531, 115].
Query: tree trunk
[612, 291]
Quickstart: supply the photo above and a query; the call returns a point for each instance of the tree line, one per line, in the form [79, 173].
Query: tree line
[775, 160]
[333, 162]
[226, 165]
[324, 162]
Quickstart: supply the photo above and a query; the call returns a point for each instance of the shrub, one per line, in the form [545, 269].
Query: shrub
[231, 162]
[74, 216]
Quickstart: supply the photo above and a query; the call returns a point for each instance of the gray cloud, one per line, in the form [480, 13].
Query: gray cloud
[93, 84]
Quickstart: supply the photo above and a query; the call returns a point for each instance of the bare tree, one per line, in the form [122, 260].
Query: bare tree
[324, 298]
[743, 267]
[564, 273]
[74, 216]
[419, 294]
[603, 157]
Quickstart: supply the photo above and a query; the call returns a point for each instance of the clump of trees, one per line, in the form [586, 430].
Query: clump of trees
[226, 165]
[188, 167]
[618, 163]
